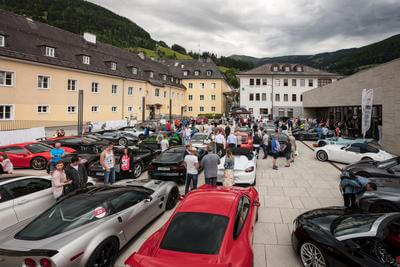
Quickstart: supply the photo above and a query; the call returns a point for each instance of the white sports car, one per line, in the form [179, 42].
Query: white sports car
[351, 153]
[245, 167]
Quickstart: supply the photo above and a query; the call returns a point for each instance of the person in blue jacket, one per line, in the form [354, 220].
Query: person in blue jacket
[351, 186]
[275, 149]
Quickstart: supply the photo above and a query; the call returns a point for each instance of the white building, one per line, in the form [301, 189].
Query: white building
[278, 88]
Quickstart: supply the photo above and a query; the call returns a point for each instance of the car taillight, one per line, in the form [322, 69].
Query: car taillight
[29, 262]
[249, 169]
[45, 262]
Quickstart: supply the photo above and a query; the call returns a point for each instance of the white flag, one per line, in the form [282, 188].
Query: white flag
[367, 99]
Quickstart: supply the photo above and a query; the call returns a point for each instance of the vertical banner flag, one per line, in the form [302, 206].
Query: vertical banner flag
[366, 107]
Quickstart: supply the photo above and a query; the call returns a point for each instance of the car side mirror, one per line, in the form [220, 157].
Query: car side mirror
[256, 203]
[148, 199]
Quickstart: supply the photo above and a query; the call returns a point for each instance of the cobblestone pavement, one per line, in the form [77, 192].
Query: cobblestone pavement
[284, 194]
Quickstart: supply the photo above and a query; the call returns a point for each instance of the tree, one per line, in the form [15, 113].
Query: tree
[179, 49]
[163, 44]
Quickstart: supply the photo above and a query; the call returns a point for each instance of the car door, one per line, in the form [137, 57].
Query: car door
[242, 218]
[351, 154]
[18, 156]
[8, 216]
[32, 196]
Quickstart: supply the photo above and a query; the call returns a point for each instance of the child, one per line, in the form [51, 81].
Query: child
[351, 186]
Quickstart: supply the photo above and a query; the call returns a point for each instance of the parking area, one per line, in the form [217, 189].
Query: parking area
[284, 194]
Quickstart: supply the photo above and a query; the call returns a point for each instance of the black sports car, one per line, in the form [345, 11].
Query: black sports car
[385, 199]
[338, 237]
[169, 164]
[310, 134]
[152, 142]
[117, 137]
[85, 145]
[142, 158]
[369, 168]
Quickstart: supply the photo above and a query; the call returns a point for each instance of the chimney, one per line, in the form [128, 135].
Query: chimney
[89, 37]
[141, 55]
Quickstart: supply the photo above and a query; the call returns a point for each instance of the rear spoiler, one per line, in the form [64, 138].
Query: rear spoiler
[137, 260]
[33, 252]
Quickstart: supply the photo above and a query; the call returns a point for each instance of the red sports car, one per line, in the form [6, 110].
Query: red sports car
[201, 233]
[30, 155]
[247, 141]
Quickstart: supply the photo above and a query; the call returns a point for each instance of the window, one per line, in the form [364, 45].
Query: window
[281, 112]
[113, 66]
[294, 82]
[190, 97]
[2, 41]
[302, 83]
[6, 112]
[275, 68]
[157, 92]
[213, 109]
[114, 89]
[71, 109]
[172, 79]
[134, 71]
[190, 85]
[130, 91]
[151, 74]
[257, 97]
[278, 82]
[213, 85]
[196, 73]
[251, 81]
[190, 108]
[95, 108]
[287, 68]
[290, 113]
[86, 60]
[185, 73]
[164, 77]
[43, 82]
[43, 109]
[165, 94]
[310, 83]
[277, 97]
[264, 97]
[113, 109]
[251, 97]
[323, 82]
[13, 150]
[130, 109]
[299, 69]
[294, 97]
[201, 97]
[301, 98]
[285, 97]
[213, 97]
[258, 81]
[95, 87]
[26, 186]
[209, 73]
[264, 81]
[50, 51]
[285, 82]
[6, 78]
[202, 85]
[201, 108]
[72, 85]
[241, 216]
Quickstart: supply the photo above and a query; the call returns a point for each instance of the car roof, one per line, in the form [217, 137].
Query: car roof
[13, 177]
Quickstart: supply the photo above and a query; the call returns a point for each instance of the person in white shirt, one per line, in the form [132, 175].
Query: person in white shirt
[6, 164]
[191, 163]
[220, 142]
[164, 143]
[187, 135]
[232, 140]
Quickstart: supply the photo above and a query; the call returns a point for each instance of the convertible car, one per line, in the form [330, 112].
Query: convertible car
[212, 226]
[152, 141]
[310, 134]
[385, 199]
[341, 141]
[351, 153]
[337, 237]
[370, 168]
[245, 167]
[87, 228]
[30, 155]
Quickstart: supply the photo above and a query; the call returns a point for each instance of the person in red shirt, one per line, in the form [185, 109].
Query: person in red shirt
[168, 126]
[127, 165]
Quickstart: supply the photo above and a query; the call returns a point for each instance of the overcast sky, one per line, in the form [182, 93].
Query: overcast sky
[263, 28]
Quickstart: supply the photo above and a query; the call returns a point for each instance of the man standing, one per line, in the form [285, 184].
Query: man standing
[220, 142]
[294, 146]
[56, 154]
[107, 160]
[275, 149]
[191, 163]
[164, 143]
[265, 141]
[77, 173]
[210, 165]
[232, 140]
[227, 130]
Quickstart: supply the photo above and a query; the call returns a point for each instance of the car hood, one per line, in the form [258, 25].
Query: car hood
[322, 217]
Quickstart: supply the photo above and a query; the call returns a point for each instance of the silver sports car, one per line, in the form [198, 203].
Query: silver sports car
[87, 228]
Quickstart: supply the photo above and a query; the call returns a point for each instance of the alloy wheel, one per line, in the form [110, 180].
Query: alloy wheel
[311, 255]
[138, 170]
[122, 142]
[172, 198]
[106, 255]
[39, 163]
[322, 156]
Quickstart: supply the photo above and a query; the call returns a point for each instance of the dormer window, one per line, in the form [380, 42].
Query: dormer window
[287, 68]
[275, 68]
[299, 69]
[172, 79]
[209, 72]
[185, 73]
[164, 77]
[182, 66]
[134, 71]
[151, 74]
[196, 73]
[2, 41]
[86, 60]
[50, 51]
[113, 65]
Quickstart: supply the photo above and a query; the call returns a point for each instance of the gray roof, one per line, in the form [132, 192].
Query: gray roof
[178, 67]
[268, 69]
[25, 40]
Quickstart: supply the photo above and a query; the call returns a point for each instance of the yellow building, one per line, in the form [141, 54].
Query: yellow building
[43, 68]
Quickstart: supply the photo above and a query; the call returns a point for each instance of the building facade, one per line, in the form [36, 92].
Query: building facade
[278, 88]
[43, 68]
[341, 101]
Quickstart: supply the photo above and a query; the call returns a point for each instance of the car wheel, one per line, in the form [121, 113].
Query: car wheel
[366, 158]
[322, 155]
[141, 136]
[105, 254]
[172, 198]
[138, 170]
[122, 141]
[322, 143]
[301, 137]
[311, 255]
[39, 163]
[89, 184]
[383, 207]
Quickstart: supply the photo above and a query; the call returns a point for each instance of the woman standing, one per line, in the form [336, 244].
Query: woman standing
[59, 180]
[127, 165]
[229, 166]
[6, 164]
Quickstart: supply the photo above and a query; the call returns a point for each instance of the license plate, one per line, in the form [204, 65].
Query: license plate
[100, 173]
[163, 168]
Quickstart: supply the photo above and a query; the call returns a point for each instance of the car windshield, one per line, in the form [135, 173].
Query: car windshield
[199, 137]
[353, 224]
[171, 156]
[193, 232]
[388, 163]
[38, 148]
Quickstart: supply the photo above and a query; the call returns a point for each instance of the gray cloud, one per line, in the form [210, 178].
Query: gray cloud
[263, 27]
